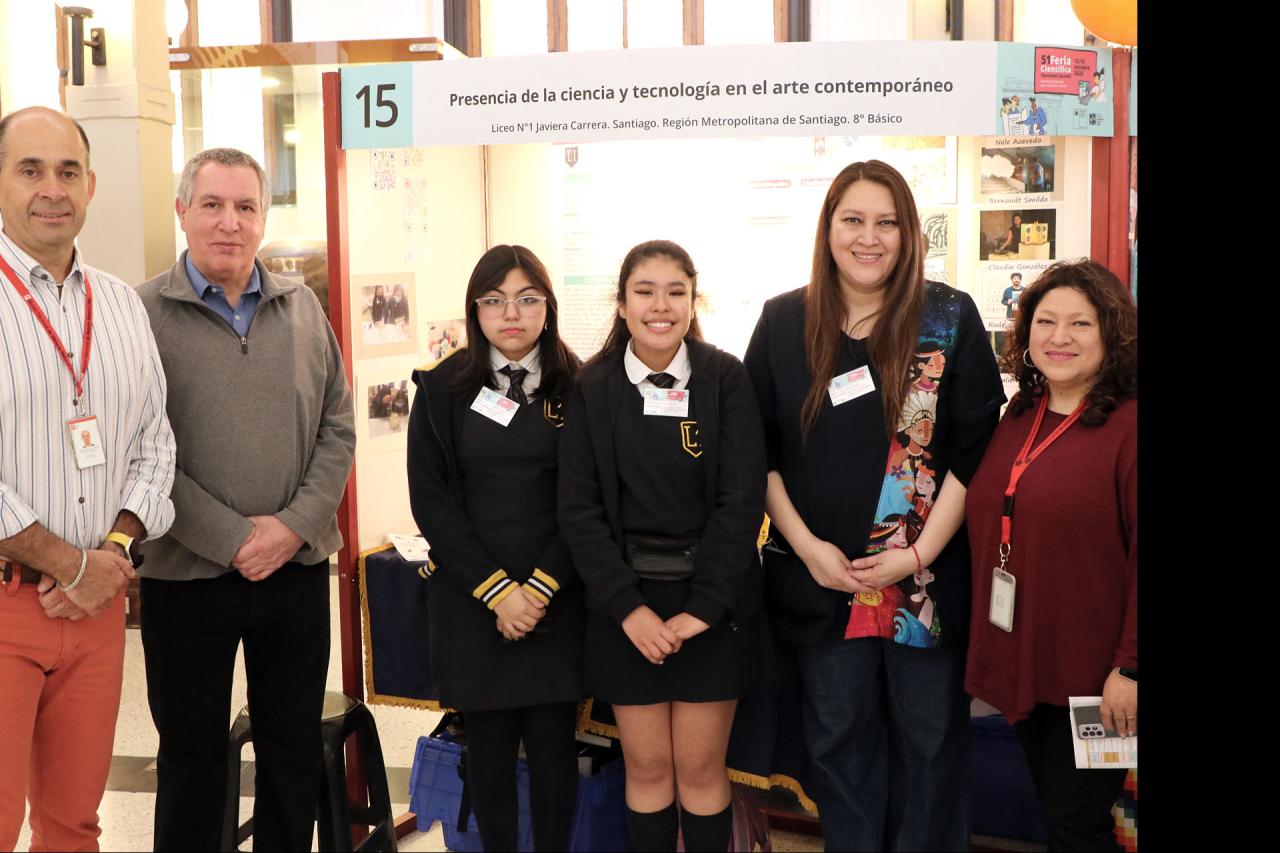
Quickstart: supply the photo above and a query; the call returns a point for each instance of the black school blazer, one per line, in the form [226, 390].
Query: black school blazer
[727, 575]
[435, 488]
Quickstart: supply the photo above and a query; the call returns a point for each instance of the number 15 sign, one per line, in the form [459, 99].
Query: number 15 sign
[377, 106]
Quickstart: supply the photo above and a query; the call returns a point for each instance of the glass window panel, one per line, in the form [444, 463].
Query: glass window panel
[516, 28]
[737, 21]
[1046, 22]
[230, 22]
[654, 23]
[860, 20]
[595, 24]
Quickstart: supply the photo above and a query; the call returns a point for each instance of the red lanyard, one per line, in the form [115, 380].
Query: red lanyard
[1024, 459]
[85, 344]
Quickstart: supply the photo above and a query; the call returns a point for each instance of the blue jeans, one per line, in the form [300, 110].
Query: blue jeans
[887, 731]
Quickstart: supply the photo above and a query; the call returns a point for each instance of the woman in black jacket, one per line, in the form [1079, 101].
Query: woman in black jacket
[505, 606]
[879, 393]
[662, 475]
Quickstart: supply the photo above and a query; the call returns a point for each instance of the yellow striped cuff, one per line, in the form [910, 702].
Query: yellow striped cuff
[495, 588]
[542, 577]
[501, 592]
[542, 586]
[536, 592]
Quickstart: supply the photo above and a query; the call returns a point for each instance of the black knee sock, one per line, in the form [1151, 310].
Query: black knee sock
[654, 830]
[707, 833]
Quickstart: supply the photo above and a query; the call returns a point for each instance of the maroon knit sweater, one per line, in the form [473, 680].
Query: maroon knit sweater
[1075, 557]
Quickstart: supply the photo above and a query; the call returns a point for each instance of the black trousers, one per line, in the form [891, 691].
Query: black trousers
[190, 632]
[493, 739]
[1076, 804]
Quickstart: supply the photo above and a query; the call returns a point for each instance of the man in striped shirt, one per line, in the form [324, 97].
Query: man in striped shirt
[76, 357]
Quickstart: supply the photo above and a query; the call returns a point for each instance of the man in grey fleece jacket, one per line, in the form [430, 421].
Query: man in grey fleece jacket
[263, 418]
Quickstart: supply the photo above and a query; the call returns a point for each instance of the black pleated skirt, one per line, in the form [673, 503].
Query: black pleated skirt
[724, 662]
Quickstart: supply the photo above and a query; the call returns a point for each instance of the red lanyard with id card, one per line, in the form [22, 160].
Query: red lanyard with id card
[86, 441]
[1003, 583]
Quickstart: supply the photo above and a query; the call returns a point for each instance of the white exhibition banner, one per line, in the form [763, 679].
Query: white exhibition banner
[784, 89]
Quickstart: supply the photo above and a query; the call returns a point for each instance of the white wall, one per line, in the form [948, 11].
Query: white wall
[441, 262]
[28, 55]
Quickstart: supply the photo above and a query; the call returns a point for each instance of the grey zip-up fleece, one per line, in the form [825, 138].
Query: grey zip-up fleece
[264, 424]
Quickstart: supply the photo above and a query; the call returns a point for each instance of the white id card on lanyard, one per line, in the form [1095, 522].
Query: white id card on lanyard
[86, 441]
[1003, 586]
[494, 406]
[667, 402]
[851, 385]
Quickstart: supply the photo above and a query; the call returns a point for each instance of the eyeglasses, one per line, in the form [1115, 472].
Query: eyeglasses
[497, 305]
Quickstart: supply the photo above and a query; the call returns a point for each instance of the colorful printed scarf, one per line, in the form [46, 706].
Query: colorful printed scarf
[904, 612]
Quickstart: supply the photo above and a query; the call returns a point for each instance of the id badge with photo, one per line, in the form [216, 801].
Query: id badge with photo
[495, 406]
[1003, 586]
[666, 402]
[851, 385]
[86, 441]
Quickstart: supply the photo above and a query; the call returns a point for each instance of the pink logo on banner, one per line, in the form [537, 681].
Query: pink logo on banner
[1059, 69]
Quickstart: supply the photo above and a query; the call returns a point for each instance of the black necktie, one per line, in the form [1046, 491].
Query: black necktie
[516, 375]
[662, 380]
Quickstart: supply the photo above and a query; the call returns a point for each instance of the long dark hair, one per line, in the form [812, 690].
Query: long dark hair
[1117, 377]
[618, 332]
[892, 341]
[558, 363]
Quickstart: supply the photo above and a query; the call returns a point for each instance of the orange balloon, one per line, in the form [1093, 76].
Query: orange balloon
[1113, 20]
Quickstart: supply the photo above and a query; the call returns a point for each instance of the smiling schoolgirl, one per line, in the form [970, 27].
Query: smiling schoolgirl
[662, 475]
[505, 606]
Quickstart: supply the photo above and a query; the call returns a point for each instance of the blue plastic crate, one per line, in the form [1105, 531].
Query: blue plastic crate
[1002, 797]
[600, 820]
[435, 793]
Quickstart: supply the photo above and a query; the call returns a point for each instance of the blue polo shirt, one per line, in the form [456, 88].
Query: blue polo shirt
[215, 297]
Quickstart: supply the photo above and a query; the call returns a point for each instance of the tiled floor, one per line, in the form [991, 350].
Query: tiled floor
[127, 808]
[127, 812]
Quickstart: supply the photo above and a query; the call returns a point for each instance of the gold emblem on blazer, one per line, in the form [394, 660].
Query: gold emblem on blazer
[553, 411]
[690, 438]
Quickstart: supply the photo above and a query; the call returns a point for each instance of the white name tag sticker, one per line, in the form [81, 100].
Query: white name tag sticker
[1003, 586]
[666, 402]
[86, 441]
[495, 406]
[851, 385]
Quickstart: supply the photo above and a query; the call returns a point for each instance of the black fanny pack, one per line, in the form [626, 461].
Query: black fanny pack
[659, 558]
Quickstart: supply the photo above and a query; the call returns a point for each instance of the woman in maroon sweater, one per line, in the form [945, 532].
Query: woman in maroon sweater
[1071, 624]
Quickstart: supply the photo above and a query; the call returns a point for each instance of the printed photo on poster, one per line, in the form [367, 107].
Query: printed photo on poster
[939, 224]
[1000, 288]
[383, 315]
[388, 404]
[384, 397]
[444, 337]
[1017, 235]
[1013, 169]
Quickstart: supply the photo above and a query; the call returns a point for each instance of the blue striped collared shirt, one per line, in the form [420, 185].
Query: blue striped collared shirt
[215, 297]
[124, 388]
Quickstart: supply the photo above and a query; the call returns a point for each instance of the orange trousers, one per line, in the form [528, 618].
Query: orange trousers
[59, 698]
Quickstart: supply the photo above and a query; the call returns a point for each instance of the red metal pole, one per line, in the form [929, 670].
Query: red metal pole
[1109, 226]
[349, 639]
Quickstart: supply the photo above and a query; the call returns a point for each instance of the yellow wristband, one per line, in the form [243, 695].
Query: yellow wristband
[123, 540]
